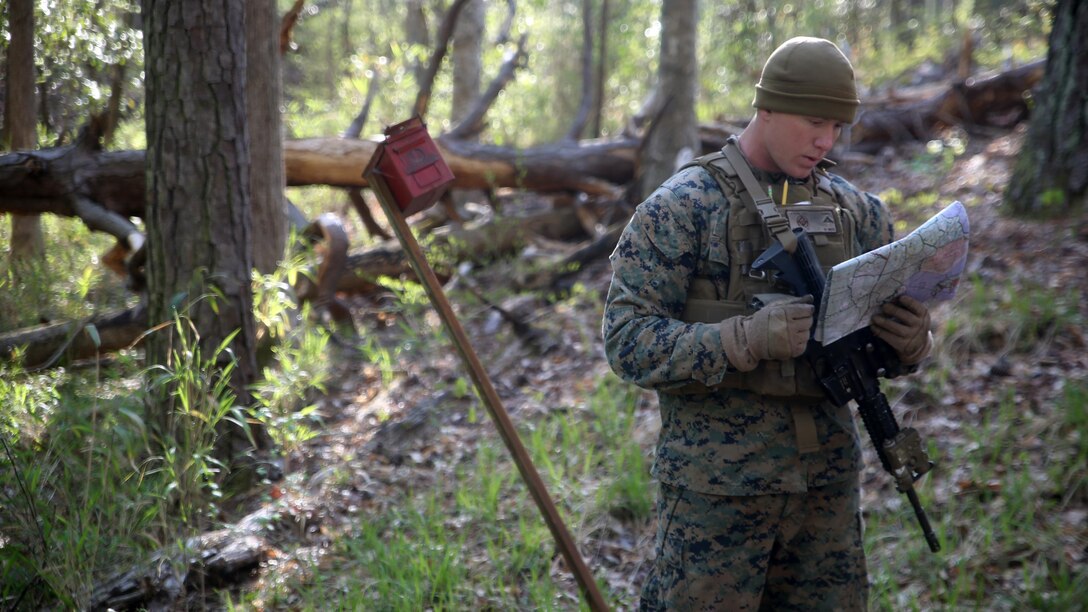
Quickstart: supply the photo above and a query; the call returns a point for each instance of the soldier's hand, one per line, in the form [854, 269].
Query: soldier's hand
[779, 331]
[904, 325]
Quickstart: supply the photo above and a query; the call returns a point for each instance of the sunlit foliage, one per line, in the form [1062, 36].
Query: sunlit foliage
[85, 52]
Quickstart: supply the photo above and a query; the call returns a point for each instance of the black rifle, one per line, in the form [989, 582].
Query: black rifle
[849, 369]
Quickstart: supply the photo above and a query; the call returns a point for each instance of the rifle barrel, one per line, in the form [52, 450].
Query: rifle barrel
[920, 513]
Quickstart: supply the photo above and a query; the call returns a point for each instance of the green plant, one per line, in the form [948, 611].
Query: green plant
[199, 399]
[73, 506]
[47, 288]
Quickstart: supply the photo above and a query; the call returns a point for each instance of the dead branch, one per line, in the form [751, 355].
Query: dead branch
[472, 123]
[356, 127]
[287, 24]
[445, 32]
[503, 36]
[218, 559]
[359, 203]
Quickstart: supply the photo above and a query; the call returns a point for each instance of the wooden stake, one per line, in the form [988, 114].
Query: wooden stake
[491, 399]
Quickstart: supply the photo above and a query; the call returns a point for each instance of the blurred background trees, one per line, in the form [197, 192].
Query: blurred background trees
[1051, 176]
[89, 57]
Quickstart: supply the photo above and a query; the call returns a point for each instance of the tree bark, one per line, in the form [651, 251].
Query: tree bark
[1051, 173]
[199, 209]
[263, 87]
[20, 125]
[582, 116]
[417, 35]
[467, 60]
[674, 138]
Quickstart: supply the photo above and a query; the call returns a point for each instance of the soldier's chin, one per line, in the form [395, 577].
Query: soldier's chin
[800, 171]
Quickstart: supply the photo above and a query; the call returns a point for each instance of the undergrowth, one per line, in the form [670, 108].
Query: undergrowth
[91, 484]
[87, 487]
[1009, 497]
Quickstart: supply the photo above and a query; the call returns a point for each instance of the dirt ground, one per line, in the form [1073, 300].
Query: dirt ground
[379, 442]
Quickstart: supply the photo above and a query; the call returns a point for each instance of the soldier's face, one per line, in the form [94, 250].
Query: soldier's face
[796, 143]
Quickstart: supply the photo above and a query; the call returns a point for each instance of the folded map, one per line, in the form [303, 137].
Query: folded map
[925, 264]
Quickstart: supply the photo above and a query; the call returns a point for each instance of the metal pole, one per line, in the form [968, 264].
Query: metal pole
[491, 399]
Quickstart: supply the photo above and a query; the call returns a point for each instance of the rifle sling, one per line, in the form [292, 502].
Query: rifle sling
[803, 423]
[763, 204]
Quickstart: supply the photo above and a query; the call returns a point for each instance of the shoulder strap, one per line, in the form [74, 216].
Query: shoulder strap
[764, 205]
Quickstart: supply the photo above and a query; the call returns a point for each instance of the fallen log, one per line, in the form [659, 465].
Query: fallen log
[593, 167]
[48, 180]
[357, 273]
[478, 241]
[46, 345]
[216, 559]
[989, 101]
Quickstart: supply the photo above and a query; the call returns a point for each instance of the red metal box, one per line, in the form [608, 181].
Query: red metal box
[411, 165]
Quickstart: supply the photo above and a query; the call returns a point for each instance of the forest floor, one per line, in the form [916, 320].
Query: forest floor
[388, 432]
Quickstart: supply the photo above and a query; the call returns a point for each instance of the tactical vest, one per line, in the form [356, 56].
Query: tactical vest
[725, 286]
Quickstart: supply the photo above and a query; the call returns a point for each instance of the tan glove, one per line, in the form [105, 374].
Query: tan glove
[904, 325]
[779, 331]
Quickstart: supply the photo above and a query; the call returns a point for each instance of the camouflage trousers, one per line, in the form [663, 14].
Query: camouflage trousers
[798, 551]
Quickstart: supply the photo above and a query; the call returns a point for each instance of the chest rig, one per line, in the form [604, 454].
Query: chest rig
[725, 286]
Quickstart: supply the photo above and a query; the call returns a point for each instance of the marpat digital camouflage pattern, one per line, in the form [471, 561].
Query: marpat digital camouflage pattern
[744, 518]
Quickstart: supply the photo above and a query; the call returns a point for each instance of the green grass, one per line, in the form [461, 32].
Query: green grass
[91, 484]
[1010, 495]
[477, 540]
[75, 499]
[1007, 519]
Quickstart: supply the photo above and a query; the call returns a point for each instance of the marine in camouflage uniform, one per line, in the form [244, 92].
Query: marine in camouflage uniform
[759, 494]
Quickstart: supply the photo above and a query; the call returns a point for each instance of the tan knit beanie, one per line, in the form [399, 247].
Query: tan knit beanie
[808, 76]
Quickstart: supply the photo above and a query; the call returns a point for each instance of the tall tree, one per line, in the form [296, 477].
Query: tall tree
[264, 85]
[1051, 173]
[417, 35]
[20, 131]
[466, 57]
[602, 71]
[198, 213]
[673, 133]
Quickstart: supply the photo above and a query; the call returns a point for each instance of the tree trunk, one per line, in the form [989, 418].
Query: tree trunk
[584, 107]
[417, 35]
[20, 124]
[1051, 173]
[601, 72]
[263, 87]
[673, 136]
[198, 213]
[466, 57]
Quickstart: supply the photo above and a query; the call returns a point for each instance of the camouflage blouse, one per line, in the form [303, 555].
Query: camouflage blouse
[728, 442]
